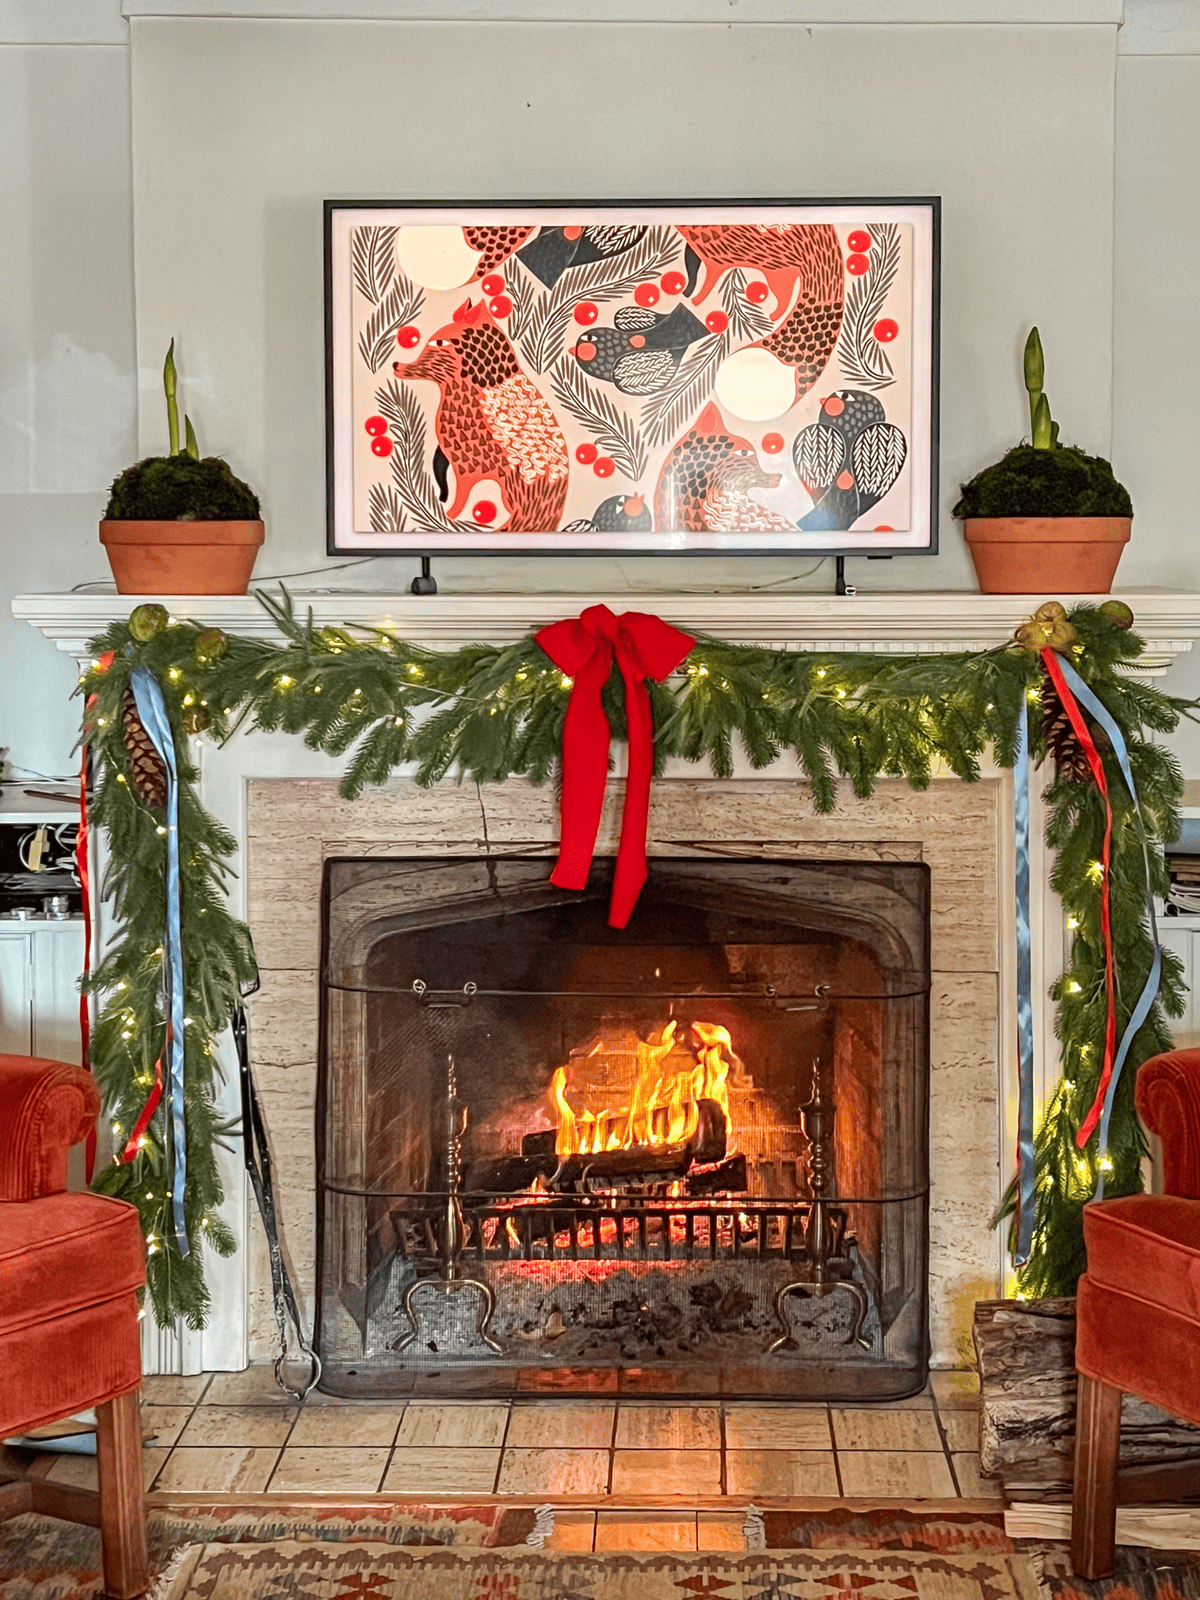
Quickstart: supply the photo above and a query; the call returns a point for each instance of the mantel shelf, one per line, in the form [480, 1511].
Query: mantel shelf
[902, 622]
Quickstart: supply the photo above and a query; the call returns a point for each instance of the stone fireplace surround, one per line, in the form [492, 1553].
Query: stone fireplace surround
[280, 801]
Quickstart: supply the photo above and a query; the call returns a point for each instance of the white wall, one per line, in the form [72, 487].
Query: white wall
[241, 127]
[67, 384]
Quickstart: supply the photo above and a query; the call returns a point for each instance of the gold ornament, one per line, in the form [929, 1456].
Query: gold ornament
[147, 621]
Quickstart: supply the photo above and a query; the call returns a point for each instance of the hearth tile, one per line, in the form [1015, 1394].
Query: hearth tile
[565, 1427]
[955, 1389]
[642, 1530]
[961, 1429]
[164, 1422]
[553, 1472]
[781, 1472]
[238, 1425]
[779, 1427]
[255, 1386]
[660, 1472]
[721, 1530]
[221, 1471]
[79, 1472]
[457, 1425]
[567, 1380]
[970, 1484]
[891, 1429]
[421, 1471]
[573, 1530]
[656, 1427]
[357, 1428]
[327, 1471]
[924, 1474]
[171, 1389]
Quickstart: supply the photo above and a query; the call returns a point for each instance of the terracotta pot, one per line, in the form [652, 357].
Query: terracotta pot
[181, 557]
[1046, 555]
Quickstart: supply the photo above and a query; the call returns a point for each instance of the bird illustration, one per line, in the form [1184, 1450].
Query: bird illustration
[643, 349]
[495, 245]
[555, 249]
[620, 513]
[491, 422]
[798, 259]
[847, 459]
[705, 483]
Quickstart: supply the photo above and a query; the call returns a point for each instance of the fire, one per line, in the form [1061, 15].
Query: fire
[664, 1105]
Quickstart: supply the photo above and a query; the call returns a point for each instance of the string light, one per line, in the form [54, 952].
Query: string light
[284, 681]
[1072, 922]
[414, 670]
[1074, 988]
[174, 674]
[121, 778]
[568, 683]
[1096, 871]
[1105, 1164]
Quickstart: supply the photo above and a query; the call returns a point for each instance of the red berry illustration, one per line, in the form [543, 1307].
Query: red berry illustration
[483, 512]
[885, 330]
[859, 240]
[883, 527]
[757, 292]
[604, 467]
[845, 480]
[493, 284]
[832, 406]
[409, 338]
[586, 313]
[716, 322]
[772, 443]
[585, 454]
[381, 446]
[672, 282]
[375, 426]
[857, 265]
[500, 305]
[646, 294]
[572, 232]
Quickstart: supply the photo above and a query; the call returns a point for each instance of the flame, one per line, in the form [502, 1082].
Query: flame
[664, 1103]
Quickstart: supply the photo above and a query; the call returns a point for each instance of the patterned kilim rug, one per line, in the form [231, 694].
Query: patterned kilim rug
[290, 1570]
[1137, 1575]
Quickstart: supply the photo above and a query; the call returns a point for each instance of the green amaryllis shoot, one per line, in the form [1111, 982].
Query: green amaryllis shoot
[170, 384]
[191, 443]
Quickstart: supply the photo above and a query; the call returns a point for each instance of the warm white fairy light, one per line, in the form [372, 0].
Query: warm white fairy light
[174, 674]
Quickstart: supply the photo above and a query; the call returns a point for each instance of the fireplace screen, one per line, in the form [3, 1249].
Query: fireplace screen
[693, 1151]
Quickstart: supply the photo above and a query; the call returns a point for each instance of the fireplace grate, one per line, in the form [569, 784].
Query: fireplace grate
[631, 1230]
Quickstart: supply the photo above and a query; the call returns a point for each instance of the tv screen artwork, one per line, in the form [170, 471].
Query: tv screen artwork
[685, 378]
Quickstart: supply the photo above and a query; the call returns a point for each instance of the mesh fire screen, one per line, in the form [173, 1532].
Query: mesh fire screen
[694, 1150]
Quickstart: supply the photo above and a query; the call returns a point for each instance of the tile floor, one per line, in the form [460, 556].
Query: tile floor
[236, 1433]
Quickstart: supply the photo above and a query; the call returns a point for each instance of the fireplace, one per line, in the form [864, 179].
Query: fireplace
[693, 1151]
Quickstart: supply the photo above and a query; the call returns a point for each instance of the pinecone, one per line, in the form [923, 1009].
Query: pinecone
[1070, 759]
[147, 770]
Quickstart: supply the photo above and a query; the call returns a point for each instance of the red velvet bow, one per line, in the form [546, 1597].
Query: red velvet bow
[645, 647]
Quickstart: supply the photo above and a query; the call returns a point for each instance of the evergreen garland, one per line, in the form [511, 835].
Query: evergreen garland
[486, 713]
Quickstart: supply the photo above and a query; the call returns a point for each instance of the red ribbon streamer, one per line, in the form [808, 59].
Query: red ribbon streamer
[1084, 734]
[85, 1014]
[584, 647]
[148, 1110]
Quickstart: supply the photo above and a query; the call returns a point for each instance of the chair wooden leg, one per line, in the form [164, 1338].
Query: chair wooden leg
[122, 1497]
[1094, 1496]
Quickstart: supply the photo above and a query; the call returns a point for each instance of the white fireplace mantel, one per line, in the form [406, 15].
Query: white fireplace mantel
[899, 623]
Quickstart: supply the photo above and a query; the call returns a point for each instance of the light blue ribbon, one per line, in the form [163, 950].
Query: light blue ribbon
[1026, 1165]
[1146, 999]
[151, 708]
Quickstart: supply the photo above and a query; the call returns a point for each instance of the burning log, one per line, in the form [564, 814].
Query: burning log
[706, 1144]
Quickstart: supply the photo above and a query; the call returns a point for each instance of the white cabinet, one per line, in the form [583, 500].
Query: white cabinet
[40, 964]
[1180, 936]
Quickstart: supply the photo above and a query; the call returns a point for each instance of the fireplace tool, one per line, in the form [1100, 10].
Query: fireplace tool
[824, 1231]
[451, 1284]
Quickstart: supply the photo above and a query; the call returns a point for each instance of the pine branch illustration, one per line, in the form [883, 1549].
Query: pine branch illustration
[414, 485]
[612, 429]
[861, 357]
[522, 294]
[665, 413]
[594, 280]
[746, 321]
[386, 509]
[373, 260]
[401, 304]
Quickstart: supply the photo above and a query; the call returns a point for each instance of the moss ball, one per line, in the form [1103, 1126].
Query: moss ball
[181, 489]
[1064, 482]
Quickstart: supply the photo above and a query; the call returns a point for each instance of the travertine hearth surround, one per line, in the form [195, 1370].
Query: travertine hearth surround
[281, 802]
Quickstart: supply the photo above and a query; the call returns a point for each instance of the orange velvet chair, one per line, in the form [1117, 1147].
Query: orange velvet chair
[1138, 1309]
[71, 1266]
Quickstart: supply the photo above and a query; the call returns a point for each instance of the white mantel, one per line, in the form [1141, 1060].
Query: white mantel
[902, 622]
[893, 623]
